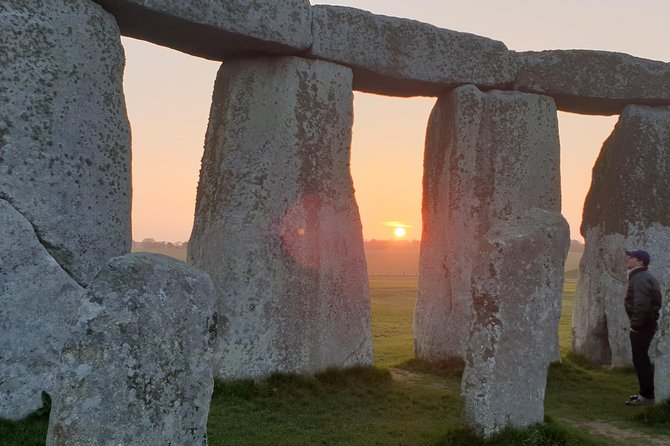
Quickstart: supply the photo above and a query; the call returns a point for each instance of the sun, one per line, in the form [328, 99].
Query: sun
[399, 228]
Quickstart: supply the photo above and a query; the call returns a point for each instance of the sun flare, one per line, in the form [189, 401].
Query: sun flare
[399, 228]
[399, 232]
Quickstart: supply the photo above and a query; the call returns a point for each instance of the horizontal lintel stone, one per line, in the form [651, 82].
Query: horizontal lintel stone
[402, 57]
[217, 29]
[593, 82]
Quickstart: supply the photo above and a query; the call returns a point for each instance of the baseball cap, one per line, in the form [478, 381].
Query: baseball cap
[640, 255]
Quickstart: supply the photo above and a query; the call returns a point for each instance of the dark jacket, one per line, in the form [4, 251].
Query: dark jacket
[643, 300]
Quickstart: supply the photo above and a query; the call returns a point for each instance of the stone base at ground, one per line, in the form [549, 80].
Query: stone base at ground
[138, 370]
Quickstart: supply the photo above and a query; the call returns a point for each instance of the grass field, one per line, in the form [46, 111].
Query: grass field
[405, 402]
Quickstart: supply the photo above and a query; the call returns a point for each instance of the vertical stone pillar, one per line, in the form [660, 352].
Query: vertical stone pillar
[64, 133]
[517, 284]
[489, 157]
[627, 207]
[64, 180]
[276, 225]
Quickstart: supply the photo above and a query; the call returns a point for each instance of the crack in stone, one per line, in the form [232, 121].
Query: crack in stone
[56, 253]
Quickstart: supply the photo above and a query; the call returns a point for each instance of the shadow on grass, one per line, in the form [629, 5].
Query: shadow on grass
[303, 385]
[30, 431]
[656, 416]
[450, 368]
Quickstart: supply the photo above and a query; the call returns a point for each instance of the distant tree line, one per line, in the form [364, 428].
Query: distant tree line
[152, 243]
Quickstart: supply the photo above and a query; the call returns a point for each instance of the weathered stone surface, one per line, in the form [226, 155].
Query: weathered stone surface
[402, 57]
[627, 207]
[38, 301]
[64, 135]
[662, 352]
[516, 289]
[489, 157]
[277, 226]
[593, 82]
[138, 370]
[217, 29]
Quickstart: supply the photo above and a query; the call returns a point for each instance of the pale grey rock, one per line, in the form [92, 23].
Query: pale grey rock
[277, 226]
[64, 134]
[627, 207]
[593, 82]
[402, 57]
[517, 287]
[599, 323]
[662, 353]
[217, 29]
[138, 370]
[38, 303]
[489, 157]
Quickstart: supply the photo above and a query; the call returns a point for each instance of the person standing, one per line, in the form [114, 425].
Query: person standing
[642, 303]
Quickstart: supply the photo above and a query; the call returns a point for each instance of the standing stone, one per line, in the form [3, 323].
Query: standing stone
[517, 287]
[489, 157]
[277, 225]
[64, 135]
[138, 371]
[38, 302]
[628, 207]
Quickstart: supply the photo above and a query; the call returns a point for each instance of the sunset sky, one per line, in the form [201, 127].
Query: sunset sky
[168, 95]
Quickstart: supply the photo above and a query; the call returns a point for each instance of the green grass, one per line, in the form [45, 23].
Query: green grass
[403, 401]
[31, 431]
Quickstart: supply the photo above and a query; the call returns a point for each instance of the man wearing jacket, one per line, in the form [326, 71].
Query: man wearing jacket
[643, 303]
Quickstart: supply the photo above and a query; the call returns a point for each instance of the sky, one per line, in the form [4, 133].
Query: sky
[168, 96]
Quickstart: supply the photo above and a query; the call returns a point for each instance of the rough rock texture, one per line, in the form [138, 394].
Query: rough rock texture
[628, 207]
[662, 352]
[402, 57]
[516, 289]
[217, 29]
[489, 157]
[38, 301]
[138, 370]
[64, 135]
[277, 226]
[593, 82]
